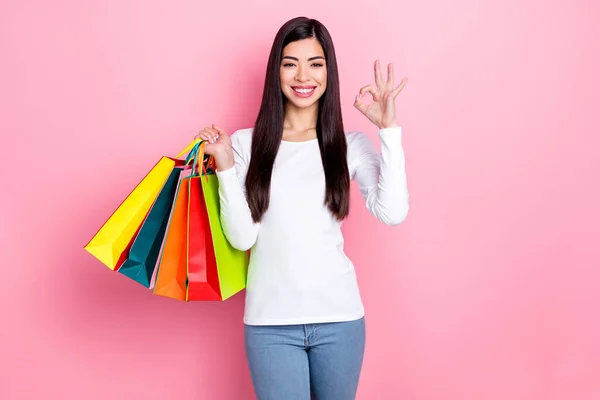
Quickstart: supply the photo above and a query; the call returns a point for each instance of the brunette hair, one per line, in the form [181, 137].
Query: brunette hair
[268, 128]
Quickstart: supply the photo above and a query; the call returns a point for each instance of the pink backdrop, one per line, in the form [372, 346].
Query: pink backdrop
[489, 290]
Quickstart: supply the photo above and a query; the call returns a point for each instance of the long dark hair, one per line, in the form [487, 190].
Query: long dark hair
[268, 128]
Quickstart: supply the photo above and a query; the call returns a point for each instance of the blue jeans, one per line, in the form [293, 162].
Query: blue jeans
[289, 362]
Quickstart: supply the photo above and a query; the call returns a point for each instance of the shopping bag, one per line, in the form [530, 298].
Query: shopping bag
[232, 264]
[202, 273]
[193, 266]
[143, 254]
[171, 277]
[110, 245]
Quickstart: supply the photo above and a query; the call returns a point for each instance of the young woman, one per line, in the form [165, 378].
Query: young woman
[284, 192]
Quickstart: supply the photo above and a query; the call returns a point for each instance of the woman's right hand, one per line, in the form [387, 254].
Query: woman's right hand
[218, 145]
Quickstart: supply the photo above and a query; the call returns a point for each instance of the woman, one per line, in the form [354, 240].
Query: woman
[284, 189]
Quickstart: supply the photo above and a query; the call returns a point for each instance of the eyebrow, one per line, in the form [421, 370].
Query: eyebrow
[310, 59]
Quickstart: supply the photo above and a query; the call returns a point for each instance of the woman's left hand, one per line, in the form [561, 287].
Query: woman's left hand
[382, 111]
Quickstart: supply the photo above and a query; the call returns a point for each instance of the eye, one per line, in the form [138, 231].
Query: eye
[289, 65]
[317, 65]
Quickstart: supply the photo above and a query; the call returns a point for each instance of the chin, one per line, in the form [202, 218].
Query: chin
[303, 104]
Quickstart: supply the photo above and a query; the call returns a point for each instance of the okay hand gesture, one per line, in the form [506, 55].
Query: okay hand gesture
[382, 111]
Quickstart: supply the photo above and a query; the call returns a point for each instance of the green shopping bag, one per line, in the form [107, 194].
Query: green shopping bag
[195, 249]
[232, 264]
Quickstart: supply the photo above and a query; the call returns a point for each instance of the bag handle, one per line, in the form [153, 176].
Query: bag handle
[197, 153]
[188, 148]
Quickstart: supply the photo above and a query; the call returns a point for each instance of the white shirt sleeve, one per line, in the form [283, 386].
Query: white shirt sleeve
[236, 218]
[381, 177]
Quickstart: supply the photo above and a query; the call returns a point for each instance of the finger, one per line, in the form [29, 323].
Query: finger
[201, 135]
[220, 133]
[367, 89]
[378, 80]
[212, 133]
[390, 81]
[400, 87]
[219, 129]
[358, 103]
[204, 135]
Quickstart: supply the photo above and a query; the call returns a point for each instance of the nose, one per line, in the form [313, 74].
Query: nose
[301, 74]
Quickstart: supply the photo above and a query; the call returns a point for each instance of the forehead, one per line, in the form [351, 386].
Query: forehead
[304, 48]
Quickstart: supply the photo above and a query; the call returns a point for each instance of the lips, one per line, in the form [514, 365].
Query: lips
[304, 91]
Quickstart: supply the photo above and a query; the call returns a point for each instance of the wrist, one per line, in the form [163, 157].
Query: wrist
[389, 125]
[224, 159]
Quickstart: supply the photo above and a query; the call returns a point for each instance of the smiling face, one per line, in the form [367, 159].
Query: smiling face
[303, 72]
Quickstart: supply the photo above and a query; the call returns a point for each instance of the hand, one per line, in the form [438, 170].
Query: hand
[218, 145]
[382, 111]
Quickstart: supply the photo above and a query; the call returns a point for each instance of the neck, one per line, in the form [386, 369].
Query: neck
[300, 119]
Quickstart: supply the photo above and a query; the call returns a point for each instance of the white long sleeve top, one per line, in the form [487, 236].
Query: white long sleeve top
[298, 271]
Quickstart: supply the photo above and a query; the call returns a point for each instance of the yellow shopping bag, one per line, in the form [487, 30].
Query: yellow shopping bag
[111, 243]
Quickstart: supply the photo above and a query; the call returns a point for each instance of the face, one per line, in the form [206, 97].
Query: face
[303, 72]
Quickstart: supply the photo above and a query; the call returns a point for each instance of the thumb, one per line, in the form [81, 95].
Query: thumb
[220, 130]
[358, 103]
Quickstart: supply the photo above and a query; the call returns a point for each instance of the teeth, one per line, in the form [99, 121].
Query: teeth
[304, 91]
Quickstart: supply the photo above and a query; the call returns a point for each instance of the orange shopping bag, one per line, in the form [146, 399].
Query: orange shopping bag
[171, 276]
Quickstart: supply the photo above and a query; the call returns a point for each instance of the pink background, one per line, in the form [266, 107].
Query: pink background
[489, 290]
